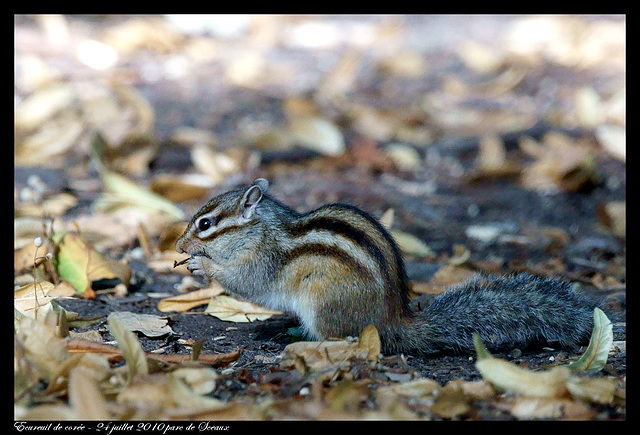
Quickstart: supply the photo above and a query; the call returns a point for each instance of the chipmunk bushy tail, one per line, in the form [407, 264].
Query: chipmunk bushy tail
[507, 311]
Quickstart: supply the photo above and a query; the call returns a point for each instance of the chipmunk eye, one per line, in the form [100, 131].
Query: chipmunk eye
[206, 223]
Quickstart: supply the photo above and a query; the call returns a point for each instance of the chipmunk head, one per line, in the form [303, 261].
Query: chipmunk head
[226, 228]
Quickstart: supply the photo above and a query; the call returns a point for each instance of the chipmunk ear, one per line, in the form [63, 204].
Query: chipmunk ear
[261, 183]
[252, 197]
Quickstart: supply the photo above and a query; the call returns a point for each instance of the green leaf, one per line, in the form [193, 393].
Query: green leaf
[71, 261]
[481, 350]
[595, 357]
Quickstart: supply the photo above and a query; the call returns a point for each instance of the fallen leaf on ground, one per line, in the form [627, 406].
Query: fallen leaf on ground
[508, 376]
[216, 166]
[595, 357]
[79, 264]
[412, 245]
[32, 298]
[190, 300]
[593, 390]
[120, 191]
[85, 396]
[613, 215]
[370, 342]
[184, 187]
[130, 347]
[42, 348]
[448, 275]
[562, 163]
[320, 354]
[114, 354]
[318, 134]
[451, 400]
[550, 407]
[147, 324]
[233, 310]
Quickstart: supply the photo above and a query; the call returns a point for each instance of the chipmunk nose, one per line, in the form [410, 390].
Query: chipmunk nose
[180, 245]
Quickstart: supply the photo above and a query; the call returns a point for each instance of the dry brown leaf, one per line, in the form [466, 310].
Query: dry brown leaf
[45, 351]
[448, 275]
[191, 136]
[123, 192]
[538, 407]
[34, 298]
[62, 289]
[50, 413]
[233, 310]
[184, 396]
[215, 165]
[147, 324]
[190, 300]
[55, 205]
[114, 354]
[317, 355]
[451, 401]
[387, 218]
[452, 273]
[588, 107]
[492, 156]
[405, 157]
[375, 125]
[34, 110]
[25, 257]
[370, 342]
[316, 133]
[148, 393]
[412, 245]
[614, 216]
[178, 188]
[505, 375]
[202, 380]
[246, 69]
[480, 57]
[143, 34]
[130, 347]
[562, 164]
[406, 64]
[85, 396]
[478, 390]
[593, 390]
[421, 387]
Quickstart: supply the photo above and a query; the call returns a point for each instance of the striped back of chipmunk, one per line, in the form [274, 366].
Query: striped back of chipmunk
[353, 237]
[281, 236]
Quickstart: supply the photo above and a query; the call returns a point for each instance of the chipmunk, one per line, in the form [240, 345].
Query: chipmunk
[338, 270]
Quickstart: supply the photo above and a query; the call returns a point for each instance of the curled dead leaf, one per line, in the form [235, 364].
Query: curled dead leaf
[595, 357]
[508, 376]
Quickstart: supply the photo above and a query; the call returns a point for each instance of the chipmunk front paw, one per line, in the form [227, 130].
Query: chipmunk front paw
[201, 265]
